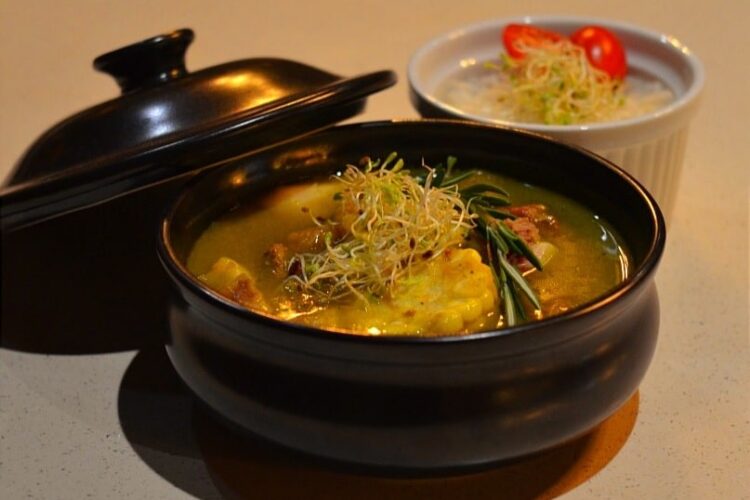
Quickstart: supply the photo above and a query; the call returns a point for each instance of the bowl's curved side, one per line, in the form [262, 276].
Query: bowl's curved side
[516, 406]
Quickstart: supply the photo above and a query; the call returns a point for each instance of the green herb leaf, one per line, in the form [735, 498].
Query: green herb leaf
[519, 245]
[482, 200]
[484, 189]
[438, 176]
[521, 282]
[458, 178]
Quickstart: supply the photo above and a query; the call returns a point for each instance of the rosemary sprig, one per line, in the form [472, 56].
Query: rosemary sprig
[484, 201]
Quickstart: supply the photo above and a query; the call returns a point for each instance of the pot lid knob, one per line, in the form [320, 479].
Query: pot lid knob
[150, 62]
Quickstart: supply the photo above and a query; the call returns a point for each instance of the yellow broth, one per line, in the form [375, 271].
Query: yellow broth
[589, 262]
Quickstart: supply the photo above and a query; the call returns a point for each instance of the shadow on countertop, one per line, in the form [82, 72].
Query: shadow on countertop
[156, 412]
[195, 451]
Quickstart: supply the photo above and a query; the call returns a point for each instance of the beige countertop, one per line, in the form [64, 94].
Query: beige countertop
[117, 425]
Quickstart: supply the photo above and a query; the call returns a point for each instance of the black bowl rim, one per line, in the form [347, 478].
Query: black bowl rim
[177, 271]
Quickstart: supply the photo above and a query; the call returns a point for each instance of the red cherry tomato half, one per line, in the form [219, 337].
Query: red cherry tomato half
[516, 34]
[603, 49]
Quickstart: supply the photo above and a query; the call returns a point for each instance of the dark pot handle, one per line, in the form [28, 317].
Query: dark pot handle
[147, 63]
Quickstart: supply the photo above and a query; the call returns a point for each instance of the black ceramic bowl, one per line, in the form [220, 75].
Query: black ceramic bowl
[417, 403]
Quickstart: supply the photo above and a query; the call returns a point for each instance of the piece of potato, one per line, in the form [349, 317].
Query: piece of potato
[233, 281]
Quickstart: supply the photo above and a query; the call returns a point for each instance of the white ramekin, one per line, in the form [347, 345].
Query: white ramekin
[650, 147]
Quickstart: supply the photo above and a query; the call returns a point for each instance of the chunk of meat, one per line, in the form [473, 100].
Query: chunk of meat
[533, 211]
[525, 228]
[309, 240]
[277, 258]
[346, 213]
[312, 239]
[536, 213]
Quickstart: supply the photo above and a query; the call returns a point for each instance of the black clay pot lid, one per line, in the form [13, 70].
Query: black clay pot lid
[168, 122]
